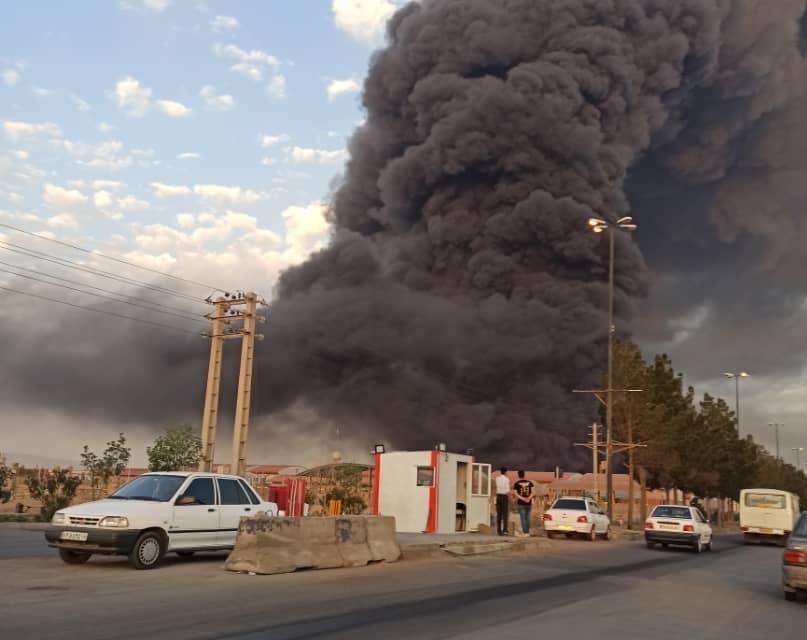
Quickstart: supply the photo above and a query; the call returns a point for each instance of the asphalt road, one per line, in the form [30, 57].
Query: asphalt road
[576, 589]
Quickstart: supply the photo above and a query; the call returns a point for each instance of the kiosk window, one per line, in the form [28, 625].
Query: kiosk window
[425, 477]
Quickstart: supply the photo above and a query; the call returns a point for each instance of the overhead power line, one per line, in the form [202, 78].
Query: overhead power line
[113, 258]
[99, 295]
[65, 262]
[102, 311]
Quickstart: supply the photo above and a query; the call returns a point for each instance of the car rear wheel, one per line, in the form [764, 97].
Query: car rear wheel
[74, 557]
[791, 596]
[147, 551]
[592, 535]
[607, 534]
[698, 548]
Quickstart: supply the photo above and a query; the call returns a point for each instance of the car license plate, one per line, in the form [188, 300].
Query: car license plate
[565, 527]
[74, 536]
[765, 530]
[668, 526]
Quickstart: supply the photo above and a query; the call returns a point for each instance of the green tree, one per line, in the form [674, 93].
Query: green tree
[110, 464]
[5, 474]
[54, 489]
[347, 482]
[177, 448]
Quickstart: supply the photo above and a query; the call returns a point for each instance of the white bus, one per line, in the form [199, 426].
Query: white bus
[767, 514]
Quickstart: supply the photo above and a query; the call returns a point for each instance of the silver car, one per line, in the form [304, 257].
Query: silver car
[794, 561]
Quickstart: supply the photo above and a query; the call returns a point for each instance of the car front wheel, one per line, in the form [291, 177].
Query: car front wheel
[74, 557]
[147, 551]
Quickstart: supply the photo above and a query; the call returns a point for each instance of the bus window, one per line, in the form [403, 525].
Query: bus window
[765, 501]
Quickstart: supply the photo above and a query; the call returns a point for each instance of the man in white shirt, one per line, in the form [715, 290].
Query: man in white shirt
[502, 502]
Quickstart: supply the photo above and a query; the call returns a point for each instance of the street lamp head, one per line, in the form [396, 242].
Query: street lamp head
[599, 229]
[745, 374]
[625, 220]
[728, 375]
[596, 222]
[628, 227]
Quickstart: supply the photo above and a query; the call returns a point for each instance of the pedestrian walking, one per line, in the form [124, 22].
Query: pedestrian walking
[502, 502]
[524, 492]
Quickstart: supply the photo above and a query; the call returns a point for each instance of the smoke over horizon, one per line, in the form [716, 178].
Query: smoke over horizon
[463, 297]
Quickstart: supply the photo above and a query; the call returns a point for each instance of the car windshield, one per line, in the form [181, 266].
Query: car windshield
[680, 513]
[576, 505]
[148, 487]
[765, 500]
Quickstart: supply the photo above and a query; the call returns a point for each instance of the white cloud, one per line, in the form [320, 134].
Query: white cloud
[105, 127]
[220, 102]
[173, 109]
[162, 190]
[188, 155]
[277, 86]
[133, 98]
[16, 129]
[251, 64]
[10, 77]
[60, 198]
[21, 155]
[270, 141]
[247, 70]
[103, 200]
[105, 185]
[306, 230]
[186, 220]
[106, 155]
[41, 91]
[221, 193]
[364, 20]
[321, 156]
[338, 87]
[155, 6]
[63, 220]
[223, 23]
[268, 162]
[254, 56]
[131, 203]
[81, 105]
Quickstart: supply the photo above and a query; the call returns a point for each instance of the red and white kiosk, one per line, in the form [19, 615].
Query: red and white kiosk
[431, 491]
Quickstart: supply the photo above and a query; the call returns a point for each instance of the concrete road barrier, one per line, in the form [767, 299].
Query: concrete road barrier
[268, 545]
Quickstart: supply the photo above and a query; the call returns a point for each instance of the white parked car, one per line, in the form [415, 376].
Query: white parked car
[576, 516]
[155, 514]
[671, 524]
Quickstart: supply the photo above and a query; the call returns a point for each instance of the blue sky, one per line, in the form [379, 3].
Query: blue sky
[174, 131]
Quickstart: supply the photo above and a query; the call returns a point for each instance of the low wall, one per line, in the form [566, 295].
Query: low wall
[268, 545]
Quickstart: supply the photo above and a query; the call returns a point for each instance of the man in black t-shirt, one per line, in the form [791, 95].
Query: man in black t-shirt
[524, 492]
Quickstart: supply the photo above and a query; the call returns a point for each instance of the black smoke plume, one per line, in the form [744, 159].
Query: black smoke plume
[463, 296]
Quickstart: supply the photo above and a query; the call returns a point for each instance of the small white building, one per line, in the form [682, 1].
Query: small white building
[432, 491]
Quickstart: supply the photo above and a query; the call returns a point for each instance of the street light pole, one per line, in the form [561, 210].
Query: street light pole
[776, 426]
[609, 410]
[737, 376]
[598, 225]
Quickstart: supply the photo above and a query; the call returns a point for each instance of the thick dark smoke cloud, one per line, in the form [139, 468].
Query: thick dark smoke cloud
[462, 297]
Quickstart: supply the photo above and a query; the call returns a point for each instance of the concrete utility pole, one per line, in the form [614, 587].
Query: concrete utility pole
[241, 425]
[225, 312]
[594, 445]
[211, 410]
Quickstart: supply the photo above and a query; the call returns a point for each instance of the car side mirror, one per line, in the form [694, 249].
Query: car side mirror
[183, 501]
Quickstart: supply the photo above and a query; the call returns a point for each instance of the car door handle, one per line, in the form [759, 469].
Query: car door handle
[247, 509]
[210, 510]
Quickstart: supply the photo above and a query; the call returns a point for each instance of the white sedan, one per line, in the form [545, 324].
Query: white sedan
[155, 514]
[576, 516]
[671, 524]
